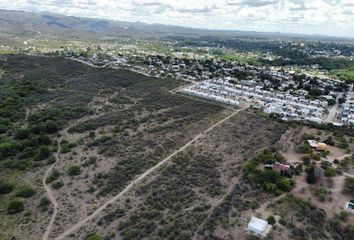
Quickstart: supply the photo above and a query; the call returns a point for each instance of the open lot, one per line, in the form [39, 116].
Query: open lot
[120, 124]
[180, 198]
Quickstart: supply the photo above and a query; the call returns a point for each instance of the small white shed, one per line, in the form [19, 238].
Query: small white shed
[259, 226]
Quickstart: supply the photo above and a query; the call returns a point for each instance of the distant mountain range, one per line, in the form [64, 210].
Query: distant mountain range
[20, 23]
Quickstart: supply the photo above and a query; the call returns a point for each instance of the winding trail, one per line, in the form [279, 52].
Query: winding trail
[51, 196]
[85, 220]
[49, 191]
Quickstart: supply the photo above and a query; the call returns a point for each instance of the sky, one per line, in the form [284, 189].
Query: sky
[326, 17]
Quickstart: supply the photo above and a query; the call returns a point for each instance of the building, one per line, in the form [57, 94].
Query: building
[281, 168]
[259, 226]
[349, 206]
[318, 146]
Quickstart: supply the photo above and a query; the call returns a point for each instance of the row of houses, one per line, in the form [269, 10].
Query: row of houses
[285, 104]
[347, 110]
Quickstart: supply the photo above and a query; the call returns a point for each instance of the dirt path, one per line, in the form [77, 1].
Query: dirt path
[107, 65]
[51, 196]
[88, 63]
[63, 134]
[211, 210]
[349, 175]
[135, 182]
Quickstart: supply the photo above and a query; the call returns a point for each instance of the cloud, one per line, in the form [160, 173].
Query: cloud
[195, 10]
[333, 17]
[348, 12]
[252, 3]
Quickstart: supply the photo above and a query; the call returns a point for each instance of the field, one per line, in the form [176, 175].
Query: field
[182, 201]
[102, 130]
[111, 126]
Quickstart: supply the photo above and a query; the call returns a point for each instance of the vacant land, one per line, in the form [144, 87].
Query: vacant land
[176, 202]
[103, 128]
[111, 125]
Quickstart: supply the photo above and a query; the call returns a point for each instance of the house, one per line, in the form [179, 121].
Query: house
[259, 226]
[318, 146]
[281, 168]
[349, 206]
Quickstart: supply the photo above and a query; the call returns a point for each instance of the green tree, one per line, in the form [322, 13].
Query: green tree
[6, 188]
[22, 133]
[271, 220]
[284, 184]
[25, 192]
[44, 152]
[15, 206]
[74, 170]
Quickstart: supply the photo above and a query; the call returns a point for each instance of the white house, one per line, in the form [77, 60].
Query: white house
[259, 226]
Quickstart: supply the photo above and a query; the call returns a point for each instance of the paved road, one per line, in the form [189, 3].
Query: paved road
[135, 182]
[331, 117]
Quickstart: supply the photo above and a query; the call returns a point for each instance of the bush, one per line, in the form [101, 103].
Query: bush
[74, 170]
[349, 186]
[329, 141]
[306, 160]
[15, 206]
[315, 157]
[53, 176]
[22, 133]
[271, 220]
[322, 193]
[285, 184]
[304, 148]
[6, 188]
[25, 192]
[66, 146]
[44, 153]
[93, 237]
[330, 172]
[43, 204]
[57, 184]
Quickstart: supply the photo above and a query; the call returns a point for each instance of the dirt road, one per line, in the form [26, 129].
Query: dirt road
[135, 182]
[51, 196]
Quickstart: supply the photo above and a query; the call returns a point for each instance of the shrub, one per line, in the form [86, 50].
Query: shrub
[306, 159]
[15, 206]
[22, 133]
[25, 192]
[92, 134]
[349, 186]
[74, 170]
[329, 141]
[93, 237]
[57, 184]
[322, 193]
[43, 204]
[53, 176]
[343, 216]
[66, 146]
[6, 188]
[330, 172]
[304, 148]
[250, 236]
[315, 157]
[343, 143]
[44, 153]
[271, 220]
[285, 184]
